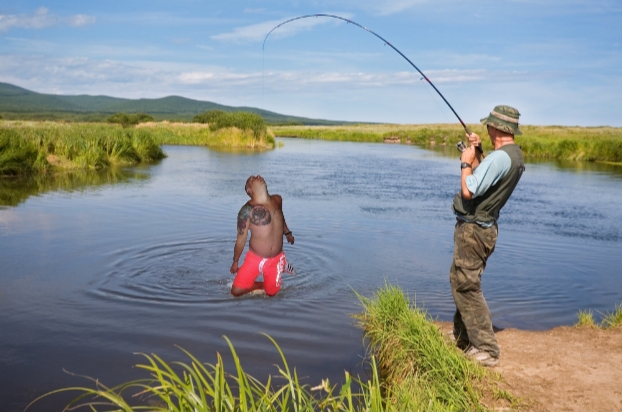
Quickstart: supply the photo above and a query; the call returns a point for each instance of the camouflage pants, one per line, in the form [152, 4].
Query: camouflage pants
[473, 245]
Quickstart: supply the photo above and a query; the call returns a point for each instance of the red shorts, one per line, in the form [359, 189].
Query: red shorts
[272, 269]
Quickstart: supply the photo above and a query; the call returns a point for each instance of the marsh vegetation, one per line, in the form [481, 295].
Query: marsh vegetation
[28, 148]
[592, 144]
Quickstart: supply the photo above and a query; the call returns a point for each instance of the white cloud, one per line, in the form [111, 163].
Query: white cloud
[258, 32]
[41, 19]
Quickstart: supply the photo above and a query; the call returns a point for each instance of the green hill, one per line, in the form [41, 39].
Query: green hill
[20, 103]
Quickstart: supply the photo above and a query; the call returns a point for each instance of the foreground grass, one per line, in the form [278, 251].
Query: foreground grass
[420, 369]
[417, 370]
[179, 386]
[38, 147]
[613, 319]
[593, 144]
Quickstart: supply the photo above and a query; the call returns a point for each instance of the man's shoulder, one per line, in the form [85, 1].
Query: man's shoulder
[277, 198]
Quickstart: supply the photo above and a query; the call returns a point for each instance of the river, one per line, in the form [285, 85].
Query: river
[139, 261]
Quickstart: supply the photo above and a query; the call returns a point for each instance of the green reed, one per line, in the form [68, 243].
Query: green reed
[585, 319]
[609, 320]
[196, 386]
[40, 147]
[420, 369]
[594, 144]
[612, 319]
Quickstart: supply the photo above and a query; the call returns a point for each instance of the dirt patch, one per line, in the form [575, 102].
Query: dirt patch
[562, 369]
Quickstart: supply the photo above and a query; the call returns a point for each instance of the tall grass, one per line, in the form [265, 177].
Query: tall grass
[39, 147]
[202, 135]
[599, 144]
[420, 369]
[195, 386]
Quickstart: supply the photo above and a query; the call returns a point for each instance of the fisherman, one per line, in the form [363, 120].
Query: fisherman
[263, 216]
[486, 185]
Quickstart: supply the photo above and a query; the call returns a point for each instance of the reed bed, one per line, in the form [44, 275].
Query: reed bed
[420, 369]
[592, 144]
[31, 147]
[28, 148]
[195, 386]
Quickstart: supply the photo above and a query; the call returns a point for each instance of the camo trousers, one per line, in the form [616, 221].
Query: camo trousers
[473, 245]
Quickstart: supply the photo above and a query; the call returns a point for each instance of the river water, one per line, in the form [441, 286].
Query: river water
[138, 260]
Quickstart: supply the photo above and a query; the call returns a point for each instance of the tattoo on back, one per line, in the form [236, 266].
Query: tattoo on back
[243, 215]
[260, 216]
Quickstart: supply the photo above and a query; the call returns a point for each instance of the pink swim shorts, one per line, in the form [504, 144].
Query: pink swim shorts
[272, 269]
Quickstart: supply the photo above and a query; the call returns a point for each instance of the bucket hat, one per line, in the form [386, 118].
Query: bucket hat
[504, 118]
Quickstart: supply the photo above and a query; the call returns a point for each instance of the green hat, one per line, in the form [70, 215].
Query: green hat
[504, 118]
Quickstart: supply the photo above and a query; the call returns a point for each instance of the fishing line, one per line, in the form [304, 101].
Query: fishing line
[466, 129]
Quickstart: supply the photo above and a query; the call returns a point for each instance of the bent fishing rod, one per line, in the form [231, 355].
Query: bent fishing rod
[466, 129]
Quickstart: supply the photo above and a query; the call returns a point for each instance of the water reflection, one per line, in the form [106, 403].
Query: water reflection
[16, 190]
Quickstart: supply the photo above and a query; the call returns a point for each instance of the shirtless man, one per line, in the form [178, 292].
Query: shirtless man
[263, 216]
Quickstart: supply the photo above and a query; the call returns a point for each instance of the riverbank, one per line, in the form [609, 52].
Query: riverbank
[591, 144]
[28, 148]
[561, 369]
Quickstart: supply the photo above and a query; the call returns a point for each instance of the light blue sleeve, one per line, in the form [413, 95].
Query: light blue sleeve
[492, 169]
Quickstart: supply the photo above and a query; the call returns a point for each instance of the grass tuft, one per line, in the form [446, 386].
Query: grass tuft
[613, 319]
[585, 319]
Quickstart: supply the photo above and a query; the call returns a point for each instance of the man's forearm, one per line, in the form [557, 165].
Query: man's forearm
[238, 249]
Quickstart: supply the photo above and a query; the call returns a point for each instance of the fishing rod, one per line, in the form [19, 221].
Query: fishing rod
[466, 129]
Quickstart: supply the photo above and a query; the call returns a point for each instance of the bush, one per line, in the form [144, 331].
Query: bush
[127, 120]
[218, 119]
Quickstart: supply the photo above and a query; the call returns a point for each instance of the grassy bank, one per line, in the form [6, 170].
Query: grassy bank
[593, 144]
[420, 369]
[28, 148]
[417, 370]
[31, 148]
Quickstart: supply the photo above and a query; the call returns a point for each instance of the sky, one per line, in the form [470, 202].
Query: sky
[559, 62]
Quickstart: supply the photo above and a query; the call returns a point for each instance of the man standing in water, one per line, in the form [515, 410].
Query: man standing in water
[263, 216]
[485, 188]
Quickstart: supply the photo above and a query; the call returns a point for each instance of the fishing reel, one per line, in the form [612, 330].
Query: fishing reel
[462, 147]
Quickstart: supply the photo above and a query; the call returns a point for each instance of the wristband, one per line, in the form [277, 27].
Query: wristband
[464, 165]
[235, 260]
[288, 233]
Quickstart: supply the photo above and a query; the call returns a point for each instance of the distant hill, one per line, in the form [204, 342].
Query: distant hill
[20, 103]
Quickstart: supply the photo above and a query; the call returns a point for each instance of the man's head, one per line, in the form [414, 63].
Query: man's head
[504, 119]
[255, 185]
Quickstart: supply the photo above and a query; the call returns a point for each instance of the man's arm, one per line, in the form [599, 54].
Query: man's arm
[240, 242]
[286, 231]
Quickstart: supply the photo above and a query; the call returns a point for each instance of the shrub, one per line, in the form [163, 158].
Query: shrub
[218, 119]
[127, 120]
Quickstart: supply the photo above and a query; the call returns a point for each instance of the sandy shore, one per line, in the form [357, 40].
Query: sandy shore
[562, 369]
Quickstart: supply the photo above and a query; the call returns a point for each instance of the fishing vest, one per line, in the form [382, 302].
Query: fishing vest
[485, 208]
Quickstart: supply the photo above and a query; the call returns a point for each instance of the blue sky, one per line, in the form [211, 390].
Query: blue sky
[558, 61]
